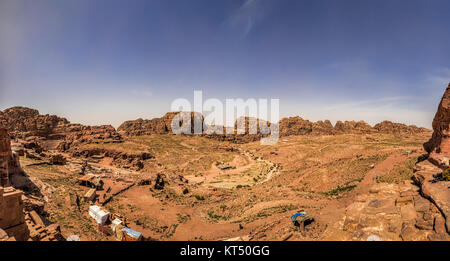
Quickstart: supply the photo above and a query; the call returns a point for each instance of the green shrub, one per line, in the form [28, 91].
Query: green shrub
[446, 174]
[199, 197]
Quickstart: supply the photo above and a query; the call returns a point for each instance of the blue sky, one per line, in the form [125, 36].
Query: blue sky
[104, 62]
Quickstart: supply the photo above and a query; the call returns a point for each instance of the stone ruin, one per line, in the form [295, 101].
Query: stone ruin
[12, 217]
[15, 222]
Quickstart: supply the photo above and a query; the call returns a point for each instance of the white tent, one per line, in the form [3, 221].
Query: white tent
[98, 214]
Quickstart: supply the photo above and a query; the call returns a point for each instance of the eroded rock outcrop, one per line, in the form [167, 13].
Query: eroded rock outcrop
[398, 128]
[428, 173]
[5, 153]
[394, 212]
[434, 188]
[124, 159]
[439, 145]
[161, 125]
[78, 134]
[9, 161]
[24, 122]
[38, 131]
[248, 132]
[353, 127]
[295, 126]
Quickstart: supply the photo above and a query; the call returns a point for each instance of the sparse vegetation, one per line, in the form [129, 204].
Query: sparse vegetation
[403, 171]
[339, 190]
[446, 174]
[199, 197]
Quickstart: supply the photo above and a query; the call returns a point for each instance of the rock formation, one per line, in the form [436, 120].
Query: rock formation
[439, 144]
[12, 218]
[398, 128]
[5, 153]
[287, 127]
[161, 125]
[24, 122]
[9, 161]
[89, 134]
[353, 127]
[295, 126]
[17, 221]
[394, 212]
[428, 175]
[52, 131]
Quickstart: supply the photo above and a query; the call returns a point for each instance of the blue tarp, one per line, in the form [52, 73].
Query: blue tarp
[131, 232]
[294, 217]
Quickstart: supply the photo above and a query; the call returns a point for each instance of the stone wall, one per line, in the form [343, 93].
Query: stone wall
[12, 218]
[5, 154]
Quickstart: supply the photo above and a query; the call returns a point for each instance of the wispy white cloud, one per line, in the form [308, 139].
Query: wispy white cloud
[245, 17]
[371, 102]
[438, 79]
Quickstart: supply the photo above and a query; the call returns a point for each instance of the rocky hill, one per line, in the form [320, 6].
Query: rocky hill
[398, 128]
[161, 125]
[287, 127]
[28, 124]
[25, 122]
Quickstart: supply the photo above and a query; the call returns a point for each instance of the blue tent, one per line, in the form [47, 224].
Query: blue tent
[294, 217]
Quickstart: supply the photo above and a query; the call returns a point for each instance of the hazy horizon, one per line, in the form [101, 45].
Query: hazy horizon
[105, 62]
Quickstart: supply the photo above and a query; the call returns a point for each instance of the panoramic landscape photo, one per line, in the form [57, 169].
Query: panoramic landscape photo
[239, 120]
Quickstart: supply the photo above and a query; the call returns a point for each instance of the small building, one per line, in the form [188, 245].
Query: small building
[91, 180]
[131, 235]
[90, 195]
[97, 213]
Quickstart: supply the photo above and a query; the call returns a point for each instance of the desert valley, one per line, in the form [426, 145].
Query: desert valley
[358, 182]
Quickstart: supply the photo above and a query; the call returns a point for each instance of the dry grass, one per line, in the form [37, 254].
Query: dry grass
[400, 173]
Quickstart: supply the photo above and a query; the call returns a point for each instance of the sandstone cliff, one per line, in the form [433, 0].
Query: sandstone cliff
[287, 127]
[439, 144]
[28, 124]
[161, 125]
[428, 175]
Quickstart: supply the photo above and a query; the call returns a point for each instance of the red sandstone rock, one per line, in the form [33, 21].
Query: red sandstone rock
[398, 128]
[28, 124]
[439, 144]
[5, 155]
[24, 122]
[89, 134]
[161, 125]
[353, 127]
[295, 126]
[287, 127]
